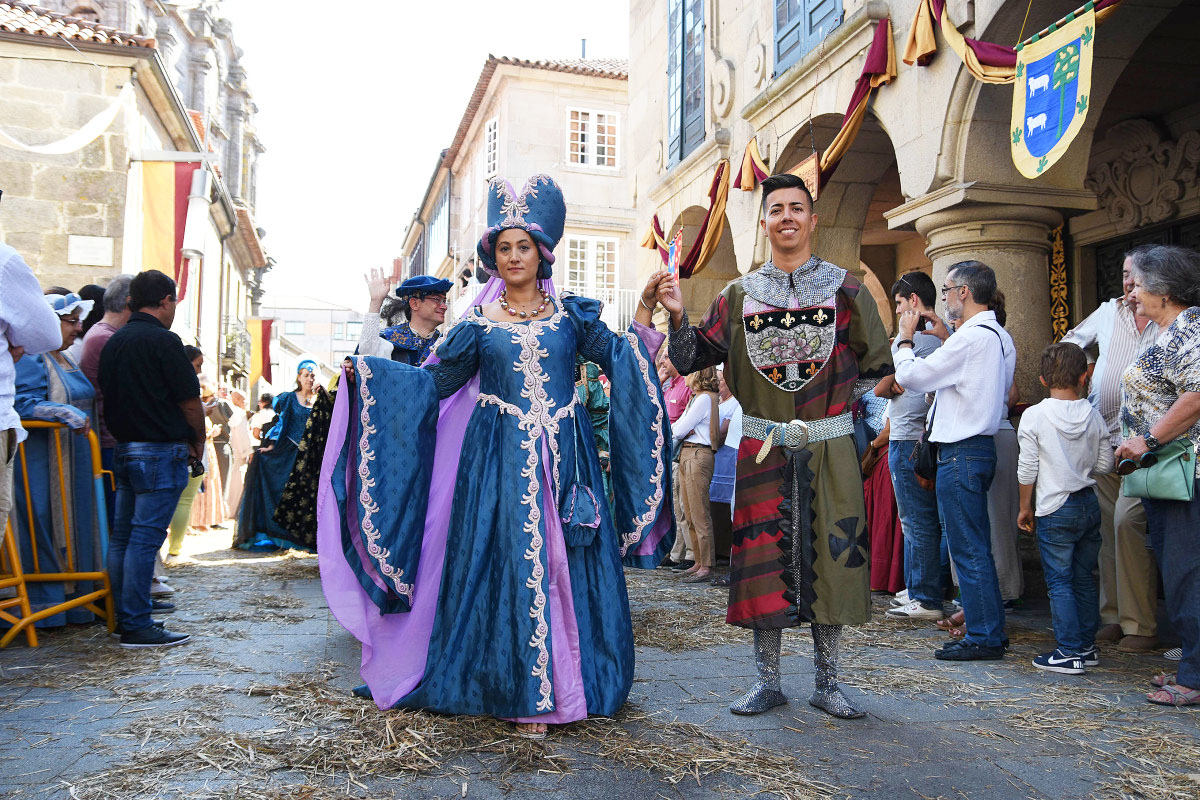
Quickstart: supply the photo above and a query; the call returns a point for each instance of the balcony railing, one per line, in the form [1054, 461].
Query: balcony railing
[619, 305]
[237, 343]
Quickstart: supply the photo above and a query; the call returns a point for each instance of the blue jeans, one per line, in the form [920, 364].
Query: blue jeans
[965, 472]
[1171, 527]
[150, 478]
[926, 559]
[1069, 540]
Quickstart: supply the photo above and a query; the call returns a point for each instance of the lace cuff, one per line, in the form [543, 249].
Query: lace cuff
[57, 412]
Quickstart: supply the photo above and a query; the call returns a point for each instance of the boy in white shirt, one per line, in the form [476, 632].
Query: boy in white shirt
[1064, 443]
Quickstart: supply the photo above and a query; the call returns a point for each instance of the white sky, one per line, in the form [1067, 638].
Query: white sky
[356, 100]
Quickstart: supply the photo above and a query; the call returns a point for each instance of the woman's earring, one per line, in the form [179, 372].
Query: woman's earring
[1163, 300]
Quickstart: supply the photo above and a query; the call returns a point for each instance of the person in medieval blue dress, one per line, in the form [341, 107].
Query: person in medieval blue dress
[52, 388]
[272, 464]
[463, 534]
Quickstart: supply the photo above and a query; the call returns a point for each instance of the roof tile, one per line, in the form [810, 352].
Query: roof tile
[16, 17]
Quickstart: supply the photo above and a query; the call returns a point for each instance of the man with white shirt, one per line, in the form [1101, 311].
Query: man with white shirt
[970, 375]
[1128, 575]
[28, 326]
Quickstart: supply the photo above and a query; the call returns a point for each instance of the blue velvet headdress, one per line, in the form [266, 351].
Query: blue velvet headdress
[539, 209]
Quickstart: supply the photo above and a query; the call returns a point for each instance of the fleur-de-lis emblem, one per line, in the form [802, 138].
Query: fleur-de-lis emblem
[757, 322]
[812, 370]
[821, 316]
[775, 376]
[788, 320]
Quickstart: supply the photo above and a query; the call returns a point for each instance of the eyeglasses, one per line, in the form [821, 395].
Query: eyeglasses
[946, 289]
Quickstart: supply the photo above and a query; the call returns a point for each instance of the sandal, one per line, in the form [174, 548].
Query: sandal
[953, 622]
[1163, 679]
[1174, 696]
[527, 733]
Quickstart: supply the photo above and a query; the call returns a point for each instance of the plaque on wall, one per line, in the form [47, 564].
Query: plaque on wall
[90, 251]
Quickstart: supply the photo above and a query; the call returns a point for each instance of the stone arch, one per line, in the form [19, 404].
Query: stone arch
[701, 289]
[851, 229]
[979, 149]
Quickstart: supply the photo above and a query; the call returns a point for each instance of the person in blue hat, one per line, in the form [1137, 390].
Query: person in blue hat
[462, 517]
[403, 325]
[271, 466]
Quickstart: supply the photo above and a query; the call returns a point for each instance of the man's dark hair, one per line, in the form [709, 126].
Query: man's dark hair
[149, 288]
[784, 180]
[64, 291]
[979, 279]
[268, 398]
[193, 352]
[918, 283]
[1063, 364]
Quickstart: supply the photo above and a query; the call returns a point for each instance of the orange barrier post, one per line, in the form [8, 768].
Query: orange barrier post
[11, 576]
[99, 602]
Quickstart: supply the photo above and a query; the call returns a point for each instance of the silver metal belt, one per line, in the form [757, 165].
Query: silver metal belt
[795, 434]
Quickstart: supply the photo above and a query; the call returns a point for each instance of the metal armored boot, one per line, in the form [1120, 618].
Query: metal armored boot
[828, 697]
[765, 694]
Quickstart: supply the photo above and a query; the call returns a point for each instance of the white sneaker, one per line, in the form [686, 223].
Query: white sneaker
[1174, 654]
[901, 598]
[160, 588]
[915, 610]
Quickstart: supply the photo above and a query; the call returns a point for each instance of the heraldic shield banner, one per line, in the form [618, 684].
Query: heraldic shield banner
[1050, 94]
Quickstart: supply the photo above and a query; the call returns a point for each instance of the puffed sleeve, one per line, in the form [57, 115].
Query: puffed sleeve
[638, 435]
[33, 392]
[455, 359]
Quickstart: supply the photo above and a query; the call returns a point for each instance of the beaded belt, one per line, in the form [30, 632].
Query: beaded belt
[795, 434]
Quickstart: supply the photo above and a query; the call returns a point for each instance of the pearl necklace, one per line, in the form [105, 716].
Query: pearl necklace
[523, 314]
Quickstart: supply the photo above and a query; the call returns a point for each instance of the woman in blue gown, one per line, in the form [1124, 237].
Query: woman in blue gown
[53, 388]
[463, 534]
[269, 469]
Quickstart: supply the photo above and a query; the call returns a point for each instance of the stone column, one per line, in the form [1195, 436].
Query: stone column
[1015, 242]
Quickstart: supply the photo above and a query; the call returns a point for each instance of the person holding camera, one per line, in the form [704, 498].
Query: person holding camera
[153, 410]
[970, 375]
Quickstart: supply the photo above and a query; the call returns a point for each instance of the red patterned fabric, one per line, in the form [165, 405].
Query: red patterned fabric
[883, 523]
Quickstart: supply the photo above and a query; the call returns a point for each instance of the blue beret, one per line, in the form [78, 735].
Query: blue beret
[422, 284]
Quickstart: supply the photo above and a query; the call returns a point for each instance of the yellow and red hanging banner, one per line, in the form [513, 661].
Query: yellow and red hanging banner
[1050, 95]
[166, 186]
[260, 348]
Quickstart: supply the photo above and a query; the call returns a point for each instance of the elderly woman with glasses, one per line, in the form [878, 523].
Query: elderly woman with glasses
[52, 388]
[1160, 407]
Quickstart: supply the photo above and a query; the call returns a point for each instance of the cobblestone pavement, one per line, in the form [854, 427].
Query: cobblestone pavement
[258, 706]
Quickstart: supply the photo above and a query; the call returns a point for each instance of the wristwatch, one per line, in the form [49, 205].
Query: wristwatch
[1152, 441]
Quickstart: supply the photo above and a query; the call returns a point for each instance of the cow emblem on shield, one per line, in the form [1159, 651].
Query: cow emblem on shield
[1050, 93]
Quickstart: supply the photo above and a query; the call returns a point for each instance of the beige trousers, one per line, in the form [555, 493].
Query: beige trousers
[8, 452]
[683, 548]
[1128, 574]
[695, 478]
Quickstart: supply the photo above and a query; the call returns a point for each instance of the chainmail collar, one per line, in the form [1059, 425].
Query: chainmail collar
[812, 283]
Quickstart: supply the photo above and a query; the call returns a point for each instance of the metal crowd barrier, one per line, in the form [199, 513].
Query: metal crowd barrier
[13, 575]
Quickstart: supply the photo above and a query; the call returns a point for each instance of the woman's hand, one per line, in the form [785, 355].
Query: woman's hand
[650, 290]
[1133, 447]
[378, 284]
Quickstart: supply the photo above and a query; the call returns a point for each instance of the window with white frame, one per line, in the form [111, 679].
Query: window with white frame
[353, 331]
[591, 265]
[491, 148]
[592, 138]
[338, 330]
[293, 327]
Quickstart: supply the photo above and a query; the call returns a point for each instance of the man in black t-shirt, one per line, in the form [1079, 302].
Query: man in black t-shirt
[152, 408]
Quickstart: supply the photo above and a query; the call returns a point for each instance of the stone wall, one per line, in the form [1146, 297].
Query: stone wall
[49, 198]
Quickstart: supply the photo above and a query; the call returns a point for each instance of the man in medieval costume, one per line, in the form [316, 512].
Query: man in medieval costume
[801, 340]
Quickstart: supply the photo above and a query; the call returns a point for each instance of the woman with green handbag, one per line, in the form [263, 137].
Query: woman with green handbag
[1161, 412]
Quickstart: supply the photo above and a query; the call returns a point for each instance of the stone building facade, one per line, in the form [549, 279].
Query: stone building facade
[567, 119]
[929, 181]
[78, 217]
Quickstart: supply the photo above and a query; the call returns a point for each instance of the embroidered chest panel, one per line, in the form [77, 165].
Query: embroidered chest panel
[789, 346]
